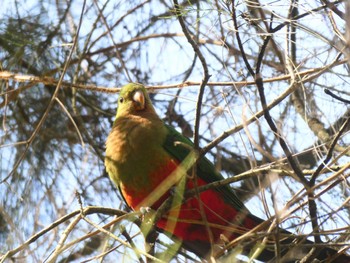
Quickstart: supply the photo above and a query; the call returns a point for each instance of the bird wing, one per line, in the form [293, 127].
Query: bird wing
[179, 147]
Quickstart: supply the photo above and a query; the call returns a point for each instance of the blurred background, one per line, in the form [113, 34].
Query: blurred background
[61, 63]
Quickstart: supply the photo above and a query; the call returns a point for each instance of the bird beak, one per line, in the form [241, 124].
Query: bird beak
[139, 100]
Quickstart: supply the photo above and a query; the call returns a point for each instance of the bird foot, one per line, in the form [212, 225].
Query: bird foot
[145, 209]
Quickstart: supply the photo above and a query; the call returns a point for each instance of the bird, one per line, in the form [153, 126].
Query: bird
[151, 162]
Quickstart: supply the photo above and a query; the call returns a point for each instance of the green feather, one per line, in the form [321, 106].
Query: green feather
[140, 130]
[180, 146]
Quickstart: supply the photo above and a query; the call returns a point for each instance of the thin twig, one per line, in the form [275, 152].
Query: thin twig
[114, 44]
[330, 151]
[52, 101]
[87, 210]
[58, 250]
[308, 75]
[260, 85]
[108, 233]
[72, 120]
[330, 93]
[205, 80]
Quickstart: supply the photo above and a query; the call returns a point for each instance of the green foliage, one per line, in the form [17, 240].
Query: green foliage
[43, 165]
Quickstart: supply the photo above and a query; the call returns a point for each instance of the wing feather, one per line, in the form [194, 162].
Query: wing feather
[205, 169]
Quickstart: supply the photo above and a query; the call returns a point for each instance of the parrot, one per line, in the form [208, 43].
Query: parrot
[151, 162]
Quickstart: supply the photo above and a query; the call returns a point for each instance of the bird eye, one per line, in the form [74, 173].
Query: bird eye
[121, 100]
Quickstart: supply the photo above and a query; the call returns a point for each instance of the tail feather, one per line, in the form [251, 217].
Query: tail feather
[291, 249]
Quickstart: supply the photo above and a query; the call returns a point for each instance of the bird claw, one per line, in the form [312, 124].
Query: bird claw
[145, 210]
[147, 218]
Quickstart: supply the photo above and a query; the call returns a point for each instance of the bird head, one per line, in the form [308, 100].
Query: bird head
[134, 100]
